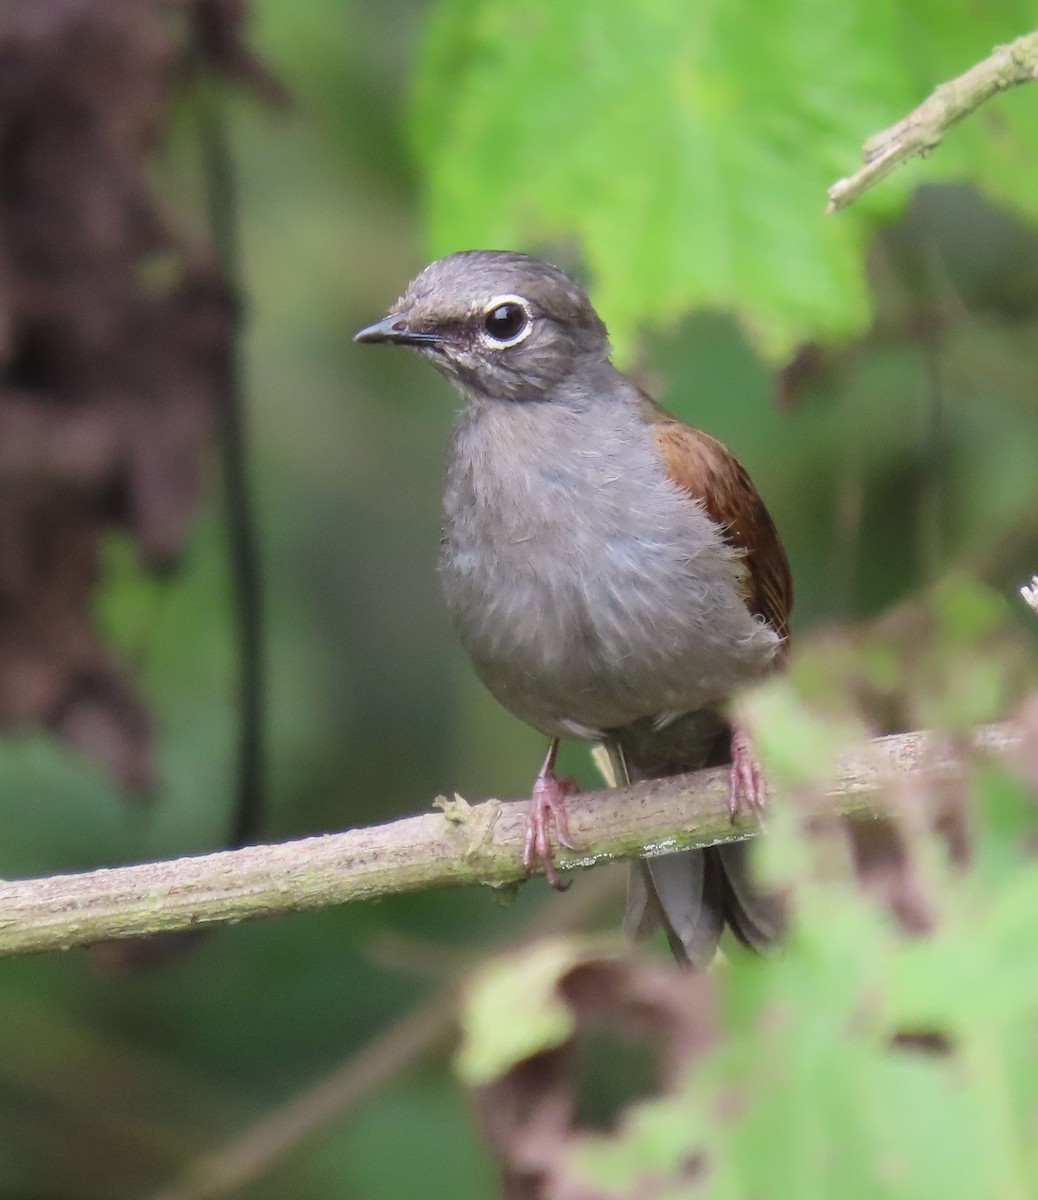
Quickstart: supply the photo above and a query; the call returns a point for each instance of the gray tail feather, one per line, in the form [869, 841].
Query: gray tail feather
[693, 894]
[683, 895]
[756, 917]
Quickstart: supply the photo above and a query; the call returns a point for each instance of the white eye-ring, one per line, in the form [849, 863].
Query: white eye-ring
[507, 321]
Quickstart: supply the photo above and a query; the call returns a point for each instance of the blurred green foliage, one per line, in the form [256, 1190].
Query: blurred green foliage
[662, 136]
[857, 1062]
[894, 459]
[888, 1049]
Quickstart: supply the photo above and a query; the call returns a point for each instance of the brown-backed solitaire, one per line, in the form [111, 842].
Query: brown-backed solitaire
[611, 571]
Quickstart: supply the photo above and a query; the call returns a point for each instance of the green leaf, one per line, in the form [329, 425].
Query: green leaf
[687, 148]
[513, 1011]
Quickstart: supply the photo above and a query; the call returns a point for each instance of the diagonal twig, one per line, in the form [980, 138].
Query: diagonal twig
[924, 128]
[259, 1148]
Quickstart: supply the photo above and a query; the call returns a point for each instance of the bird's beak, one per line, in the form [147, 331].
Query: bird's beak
[394, 328]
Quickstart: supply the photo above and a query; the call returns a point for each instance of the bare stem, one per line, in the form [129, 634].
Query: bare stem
[464, 844]
[924, 128]
[259, 1148]
[232, 435]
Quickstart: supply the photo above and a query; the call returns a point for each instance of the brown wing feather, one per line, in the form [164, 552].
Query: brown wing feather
[707, 470]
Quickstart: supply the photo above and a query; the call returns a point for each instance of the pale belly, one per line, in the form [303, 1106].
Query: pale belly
[577, 643]
[589, 590]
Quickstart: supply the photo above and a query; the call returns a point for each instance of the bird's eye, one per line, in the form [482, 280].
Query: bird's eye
[506, 322]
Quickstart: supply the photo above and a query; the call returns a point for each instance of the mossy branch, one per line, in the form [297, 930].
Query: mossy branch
[463, 844]
[924, 128]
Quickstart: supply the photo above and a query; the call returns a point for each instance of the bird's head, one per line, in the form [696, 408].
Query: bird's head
[497, 324]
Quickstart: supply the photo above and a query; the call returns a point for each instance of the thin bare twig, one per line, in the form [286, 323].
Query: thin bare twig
[231, 419]
[406, 1042]
[477, 844]
[924, 128]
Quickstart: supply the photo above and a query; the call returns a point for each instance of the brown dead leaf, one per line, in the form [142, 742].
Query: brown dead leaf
[529, 1115]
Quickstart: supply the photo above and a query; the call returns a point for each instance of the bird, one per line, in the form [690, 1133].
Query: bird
[611, 571]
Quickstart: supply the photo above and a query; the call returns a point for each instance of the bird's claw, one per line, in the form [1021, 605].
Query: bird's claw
[747, 789]
[547, 808]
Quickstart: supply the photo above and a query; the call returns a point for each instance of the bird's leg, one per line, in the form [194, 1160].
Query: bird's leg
[746, 786]
[548, 807]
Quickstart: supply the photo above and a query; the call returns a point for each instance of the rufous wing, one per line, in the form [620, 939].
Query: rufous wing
[710, 473]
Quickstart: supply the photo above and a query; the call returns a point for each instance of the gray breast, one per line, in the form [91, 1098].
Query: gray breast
[588, 590]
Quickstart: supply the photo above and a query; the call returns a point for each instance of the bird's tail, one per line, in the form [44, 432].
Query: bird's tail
[693, 894]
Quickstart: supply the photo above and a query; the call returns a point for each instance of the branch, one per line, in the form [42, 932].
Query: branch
[261, 1147]
[924, 128]
[463, 845]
